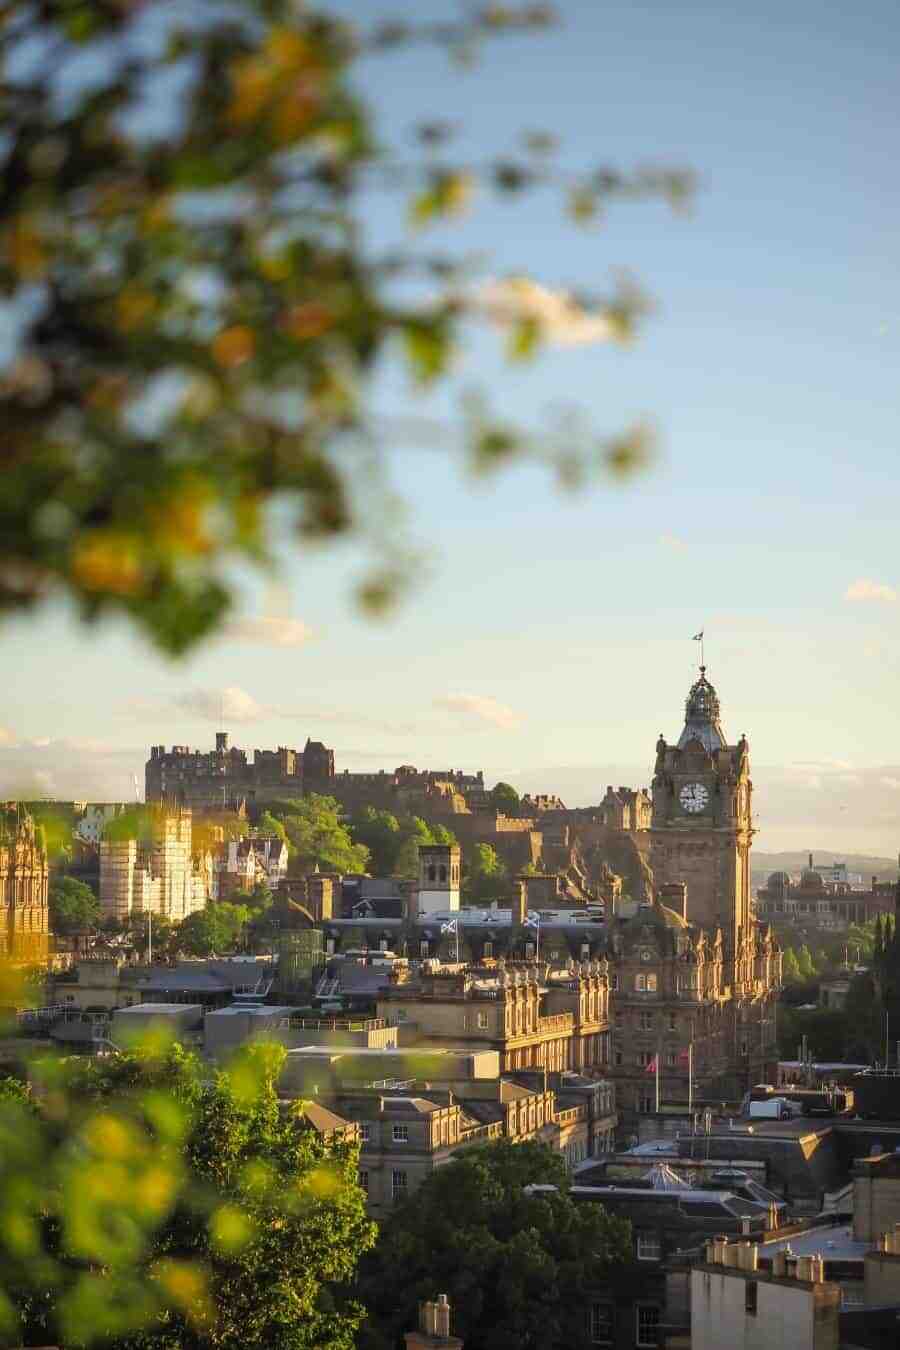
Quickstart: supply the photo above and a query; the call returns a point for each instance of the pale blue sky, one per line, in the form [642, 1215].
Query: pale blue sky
[770, 369]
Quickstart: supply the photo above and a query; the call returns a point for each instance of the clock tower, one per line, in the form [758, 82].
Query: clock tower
[701, 826]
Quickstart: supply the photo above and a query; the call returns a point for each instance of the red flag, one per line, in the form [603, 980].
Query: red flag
[684, 1057]
[651, 1067]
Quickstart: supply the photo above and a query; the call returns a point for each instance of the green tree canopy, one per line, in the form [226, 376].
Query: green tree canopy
[317, 835]
[485, 878]
[73, 905]
[415, 832]
[505, 798]
[269, 824]
[806, 963]
[513, 1264]
[379, 832]
[166, 1207]
[256, 900]
[213, 930]
[194, 294]
[790, 967]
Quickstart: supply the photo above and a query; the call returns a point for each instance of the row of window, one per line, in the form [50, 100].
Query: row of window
[399, 1133]
[399, 1183]
[647, 1020]
[646, 1324]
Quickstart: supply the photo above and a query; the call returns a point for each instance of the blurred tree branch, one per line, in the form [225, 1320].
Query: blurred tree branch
[193, 320]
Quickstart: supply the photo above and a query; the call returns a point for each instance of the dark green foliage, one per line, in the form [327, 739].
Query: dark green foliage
[827, 1030]
[517, 1268]
[73, 905]
[393, 843]
[213, 930]
[505, 798]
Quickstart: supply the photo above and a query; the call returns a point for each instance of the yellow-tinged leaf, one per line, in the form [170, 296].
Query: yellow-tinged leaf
[233, 346]
[186, 1285]
[25, 250]
[308, 320]
[230, 1229]
[108, 561]
[524, 339]
[134, 306]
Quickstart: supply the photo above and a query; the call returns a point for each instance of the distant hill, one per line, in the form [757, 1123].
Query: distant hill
[866, 865]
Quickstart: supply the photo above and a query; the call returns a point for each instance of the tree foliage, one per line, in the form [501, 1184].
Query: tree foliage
[73, 905]
[193, 313]
[790, 967]
[505, 798]
[151, 1205]
[317, 836]
[213, 930]
[485, 877]
[393, 842]
[517, 1267]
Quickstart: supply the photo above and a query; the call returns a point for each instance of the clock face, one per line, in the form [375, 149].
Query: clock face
[694, 797]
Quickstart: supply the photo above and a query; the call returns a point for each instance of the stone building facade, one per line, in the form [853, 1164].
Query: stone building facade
[535, 1018]
[815, 902]
[158, 874]
[24, 880]
[700, 838]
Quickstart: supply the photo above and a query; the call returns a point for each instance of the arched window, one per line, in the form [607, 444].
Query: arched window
[432, 873]
[443, 873]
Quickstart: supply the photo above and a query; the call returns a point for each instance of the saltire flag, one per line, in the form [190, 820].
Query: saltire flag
[698, 637]
[449, 926]
[653, 1065]
[684, 1057]
[533, 921]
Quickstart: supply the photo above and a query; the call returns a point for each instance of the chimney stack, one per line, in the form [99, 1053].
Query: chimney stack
[520, 901]
[434, 1327]
[221, 742]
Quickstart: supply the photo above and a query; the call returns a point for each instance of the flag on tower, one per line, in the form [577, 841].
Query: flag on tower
[653, 1066]
[533, 921]
[449, 926]
[698, 637]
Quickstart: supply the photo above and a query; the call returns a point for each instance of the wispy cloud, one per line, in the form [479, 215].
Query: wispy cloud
[482, 709]
[865, 589]
[562, 321]
[269, 631]
[216, 705]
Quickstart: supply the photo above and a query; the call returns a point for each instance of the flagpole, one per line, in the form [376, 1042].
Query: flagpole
[658, 1058]
[691, 1079]
[149, 937]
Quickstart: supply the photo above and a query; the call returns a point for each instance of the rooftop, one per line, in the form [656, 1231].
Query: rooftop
[834, 1244]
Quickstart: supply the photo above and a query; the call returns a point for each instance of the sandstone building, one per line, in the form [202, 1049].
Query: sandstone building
[157, 874]
[694, 968]
[24, 877]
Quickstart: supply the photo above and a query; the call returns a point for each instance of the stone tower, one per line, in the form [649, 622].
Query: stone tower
[24, 880]
[439, 866]
[701, 826]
